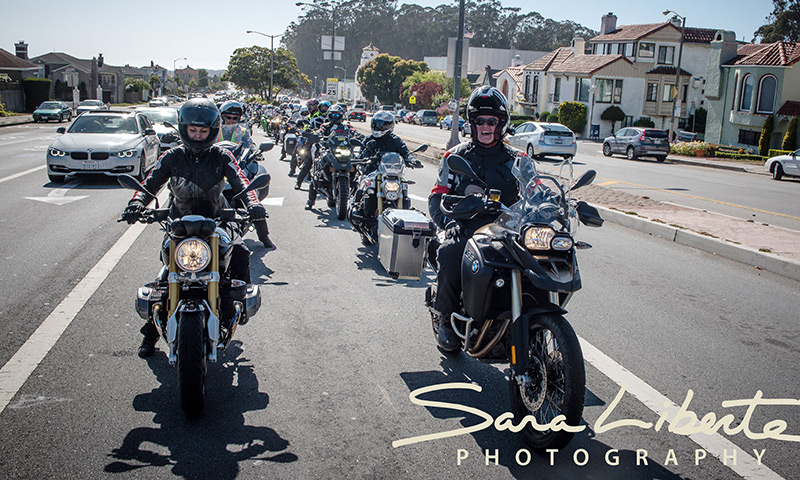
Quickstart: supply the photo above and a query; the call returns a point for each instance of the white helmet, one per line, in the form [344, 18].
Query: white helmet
[382, 123]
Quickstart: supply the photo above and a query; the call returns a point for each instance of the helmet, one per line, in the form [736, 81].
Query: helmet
[200, 112]
[304, 111]
[324, 106]
[312, 104]
[335, 114]
[382, 123]
[486, 100]
[232, 107]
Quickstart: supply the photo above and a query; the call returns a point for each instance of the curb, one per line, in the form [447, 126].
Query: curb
[15, 120]
[771, 263]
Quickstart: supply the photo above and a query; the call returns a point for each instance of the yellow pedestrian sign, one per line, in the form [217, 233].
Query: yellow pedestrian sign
[674, 92]
[412, 99]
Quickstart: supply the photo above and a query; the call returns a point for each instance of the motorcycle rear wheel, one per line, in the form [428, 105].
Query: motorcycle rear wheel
[342, 194]
[559, 381]
[191, 350]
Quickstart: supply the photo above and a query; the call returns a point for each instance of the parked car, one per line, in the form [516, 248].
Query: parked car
[175, 99]
[409, 118]
[52, 110]
[541, 139]
[402, 113]
[108, 142]
[165, 123]
[426, 117]
[357, 114]
[784, 165]
[90, 106]
[637, 142]
[447, 122]
[159, 102]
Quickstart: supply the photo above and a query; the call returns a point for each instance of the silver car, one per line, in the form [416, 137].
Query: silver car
[637, 142]
[539, 139]
[784, 165]
[90, 106]
[107, 142]
[165, 123]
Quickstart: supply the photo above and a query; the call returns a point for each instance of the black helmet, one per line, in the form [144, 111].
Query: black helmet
[335, 114]
[486, 100]
[199, 112]
[324, 106]
[232, 107]
[312, 104]
[382, 123]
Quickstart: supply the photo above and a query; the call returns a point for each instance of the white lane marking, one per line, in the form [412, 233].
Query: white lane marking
[17, 175]
[274, 202]
[59, 196]
[417, 197]
[745, 465]
[16, 371]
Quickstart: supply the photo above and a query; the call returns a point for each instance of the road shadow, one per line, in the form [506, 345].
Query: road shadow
[213, 445]
[87, 182]
[509, 449]
[367, 259]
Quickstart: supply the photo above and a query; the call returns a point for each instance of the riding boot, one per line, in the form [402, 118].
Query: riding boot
[447, 338]
[148, 346]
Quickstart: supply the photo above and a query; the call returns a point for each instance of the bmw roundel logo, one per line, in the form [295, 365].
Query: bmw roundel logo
[475, 266]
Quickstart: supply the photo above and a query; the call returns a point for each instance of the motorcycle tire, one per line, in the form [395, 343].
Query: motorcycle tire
[342, 194]
[191, 351]
[559, 381]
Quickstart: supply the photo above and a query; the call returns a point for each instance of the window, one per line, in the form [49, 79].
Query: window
[647, 50]
[766, 94]
[609, 91]
[666, 94]
[582, 86]
[557, 90]
[535, 87]
[666, 55]
[749, 137]
[746, 95]
[621, 48]
[652, 92]
[617, 91]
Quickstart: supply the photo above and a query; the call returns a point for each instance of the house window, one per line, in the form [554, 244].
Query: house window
[647, 49]
[746, 93]
[609, 91]
[652, 92]
[766, 94]
[666, 55]
[557, 90]
[749, 137]
[621, 48]
[535, 87]
[582, 86]
[617, 91]
[666, 94]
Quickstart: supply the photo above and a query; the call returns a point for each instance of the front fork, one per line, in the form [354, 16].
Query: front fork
[519, 327]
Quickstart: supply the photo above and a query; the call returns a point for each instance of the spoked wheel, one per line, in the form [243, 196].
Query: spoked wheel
[342, 194]
[606, 150]
[630, 153]
[558, 381]
[191, 350]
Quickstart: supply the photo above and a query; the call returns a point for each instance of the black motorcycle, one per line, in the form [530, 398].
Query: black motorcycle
[194, 303]
[248, 158]
[333, 173]
[518, 273]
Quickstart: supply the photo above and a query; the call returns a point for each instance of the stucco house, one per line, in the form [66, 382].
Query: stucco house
[14, 68]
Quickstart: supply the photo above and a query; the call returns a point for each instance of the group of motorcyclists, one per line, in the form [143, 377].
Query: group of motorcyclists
[198, 169]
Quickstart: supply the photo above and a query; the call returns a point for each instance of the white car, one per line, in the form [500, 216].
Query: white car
[543, 139]
[90, 106]
[108, 142]
[784, 165]
[165, 123]
[159, 102]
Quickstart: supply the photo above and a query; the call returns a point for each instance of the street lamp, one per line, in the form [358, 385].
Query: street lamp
[676, 101]
[174, 75]
[271, 58]
[332, 11]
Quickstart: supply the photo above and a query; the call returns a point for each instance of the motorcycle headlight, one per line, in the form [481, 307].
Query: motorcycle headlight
[545, 238]
[561, 244]
[57, 153]
[342, 152]
[391, 190]
[127, 153]
[192, 255]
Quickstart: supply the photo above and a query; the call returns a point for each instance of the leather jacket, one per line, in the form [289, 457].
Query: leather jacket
[383, 144]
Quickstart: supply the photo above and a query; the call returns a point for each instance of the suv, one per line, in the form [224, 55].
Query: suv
[637, 142]
[426, 117]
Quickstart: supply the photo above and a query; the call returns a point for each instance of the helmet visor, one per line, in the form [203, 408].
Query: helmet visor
[204, 117]
[381, 125]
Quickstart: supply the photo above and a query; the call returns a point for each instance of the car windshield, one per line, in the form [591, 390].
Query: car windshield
[49, 106]
[115, 124]
[161, 116]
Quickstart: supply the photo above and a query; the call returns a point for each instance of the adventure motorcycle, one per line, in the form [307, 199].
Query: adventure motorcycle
[333, 173]
[248, 158]
[194, 303]
[376, 191]
[518, 273]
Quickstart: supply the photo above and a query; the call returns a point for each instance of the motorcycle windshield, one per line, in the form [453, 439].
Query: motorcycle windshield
[542, 199]
[391, 164]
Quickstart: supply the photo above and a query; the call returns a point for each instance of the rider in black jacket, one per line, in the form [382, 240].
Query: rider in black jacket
[196, 172]
[491, 160]
[383, 140]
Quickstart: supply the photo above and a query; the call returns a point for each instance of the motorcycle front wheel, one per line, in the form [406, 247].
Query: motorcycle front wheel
[342, 194]
[558, 381]
[191, 351]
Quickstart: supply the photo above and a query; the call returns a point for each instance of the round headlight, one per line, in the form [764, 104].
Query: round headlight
[538, 238]
[562, 244]
[391, 190]
[192, 255]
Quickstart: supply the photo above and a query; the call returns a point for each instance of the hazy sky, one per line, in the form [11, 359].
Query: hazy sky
[208, 32]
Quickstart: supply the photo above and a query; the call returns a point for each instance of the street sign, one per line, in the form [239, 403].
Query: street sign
[452, 104]
[412, 100]
[332, 90]
[674, 92]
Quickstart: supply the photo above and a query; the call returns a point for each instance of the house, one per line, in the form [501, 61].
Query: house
[14, 68]
[747, 84]
[509, 82]
[157, 71]
[186, 74]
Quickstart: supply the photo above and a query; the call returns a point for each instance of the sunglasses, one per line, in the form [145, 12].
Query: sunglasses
[231, 117]
[491, 121]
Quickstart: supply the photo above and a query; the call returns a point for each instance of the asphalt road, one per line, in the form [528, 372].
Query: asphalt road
[317, 384]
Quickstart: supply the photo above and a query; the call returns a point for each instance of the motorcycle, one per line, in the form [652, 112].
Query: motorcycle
[275, 126]
[289, 147]
[194, 303]
[248, 158]
[333, 173]
[384, 188]
[518, 274]
[307, 148]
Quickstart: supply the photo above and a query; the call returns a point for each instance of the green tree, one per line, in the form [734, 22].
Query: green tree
[136, 85]
[250, 67]
[644, 122]
[790, 139]
[573, 116]
[383, 76]
[613, 114]
[766, 135]
[783, 23]
[202, 77]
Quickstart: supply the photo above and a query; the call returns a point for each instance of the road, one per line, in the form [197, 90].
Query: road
[318, 383]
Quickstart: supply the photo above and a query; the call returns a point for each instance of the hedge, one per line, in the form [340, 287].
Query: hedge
[774, 152]
[739, 156]
[37, 90]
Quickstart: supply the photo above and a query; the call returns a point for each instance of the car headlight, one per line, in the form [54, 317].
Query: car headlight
[192, 255]
[545, 238]
[57, 153]
[128, 153]
[391, 190]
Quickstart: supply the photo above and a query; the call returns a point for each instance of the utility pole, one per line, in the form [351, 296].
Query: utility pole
[454, 140]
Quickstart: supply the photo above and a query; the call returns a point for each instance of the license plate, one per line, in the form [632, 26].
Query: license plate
[89, 165]
[558, 141]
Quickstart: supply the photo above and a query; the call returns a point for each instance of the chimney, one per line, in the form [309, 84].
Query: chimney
[675, 21]
[578, 46]
[516, 62]
[723, 49]
[22, 49]
[608, 23]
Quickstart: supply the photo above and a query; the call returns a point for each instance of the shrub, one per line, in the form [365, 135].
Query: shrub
[573, 116]
[37, 90]
[613, 114]
[645, 122]
[766, 133]
[544, 116]
[739, 156]
[698, 120]
[136, 85]
[689, 148]
[3, 111]
[775, 152]
[790, 139]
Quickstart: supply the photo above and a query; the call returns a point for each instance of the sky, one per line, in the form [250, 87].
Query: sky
[206, 34]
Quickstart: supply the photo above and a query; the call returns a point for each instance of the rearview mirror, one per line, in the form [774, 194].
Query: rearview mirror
[266, 146]
[460, 166]
[585, 179]
[61, 130]
[421, 148]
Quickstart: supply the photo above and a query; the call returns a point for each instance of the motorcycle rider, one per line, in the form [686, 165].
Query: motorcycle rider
[492, 160]
[233, 129]
[196, 172]
[334, 124]
[382, 140]
[318, 112]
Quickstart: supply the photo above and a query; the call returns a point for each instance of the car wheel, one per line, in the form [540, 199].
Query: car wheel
[56, 178]
[529, 150]
[607, 150]
[777, 171]
[630, 153]
[60, 117]
[661, 158]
